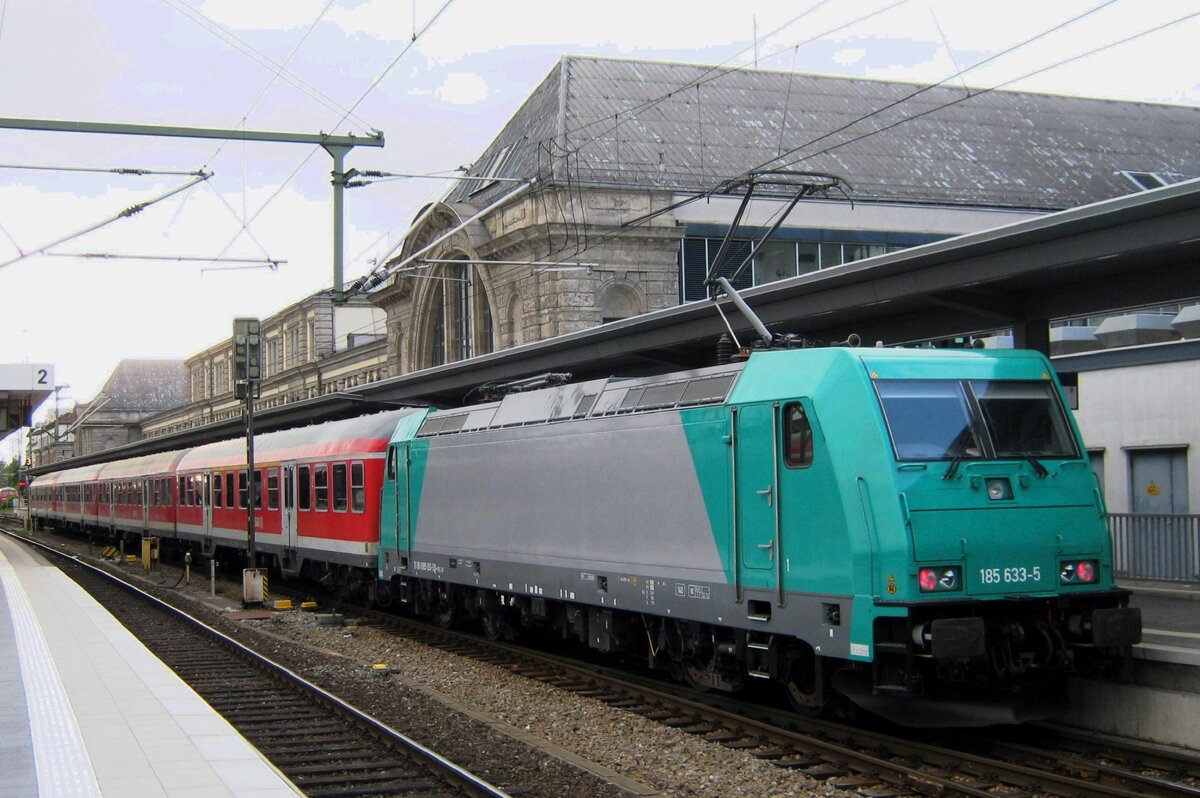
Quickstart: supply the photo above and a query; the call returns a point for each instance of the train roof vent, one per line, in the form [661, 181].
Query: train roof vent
[439, 423]
[432, 426]
[708, 389]
[586, 402]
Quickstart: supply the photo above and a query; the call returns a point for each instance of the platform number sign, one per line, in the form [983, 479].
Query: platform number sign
[247, 349]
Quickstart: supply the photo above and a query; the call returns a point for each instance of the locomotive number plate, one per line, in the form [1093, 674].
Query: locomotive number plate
[1009, 576]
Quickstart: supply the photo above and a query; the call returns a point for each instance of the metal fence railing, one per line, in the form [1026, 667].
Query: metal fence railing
[1153, 546]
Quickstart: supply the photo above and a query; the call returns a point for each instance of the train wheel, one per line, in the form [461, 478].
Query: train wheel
[699, 671]
[494, 625]
[803, 687]
[445, 612]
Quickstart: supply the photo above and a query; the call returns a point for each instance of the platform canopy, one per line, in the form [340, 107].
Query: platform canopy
[23, 386]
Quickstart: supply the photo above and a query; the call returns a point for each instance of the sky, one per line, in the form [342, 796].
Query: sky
[439, 79]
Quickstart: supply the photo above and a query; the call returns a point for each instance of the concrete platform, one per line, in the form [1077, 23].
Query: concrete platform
[1162, 702]
[87, 710]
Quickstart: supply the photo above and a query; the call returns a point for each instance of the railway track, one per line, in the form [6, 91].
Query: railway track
[876, 764]
[326, 747]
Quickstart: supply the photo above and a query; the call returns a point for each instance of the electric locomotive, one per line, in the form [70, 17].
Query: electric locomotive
[917, 531]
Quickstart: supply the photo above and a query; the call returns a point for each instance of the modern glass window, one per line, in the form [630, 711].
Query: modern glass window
[217, 492]
[229, 494]
[258, 489]
[321, 487]
[358, 488]
[273, 489]
[339, 487]
[243, 484]
[303, 487]
[775, 260]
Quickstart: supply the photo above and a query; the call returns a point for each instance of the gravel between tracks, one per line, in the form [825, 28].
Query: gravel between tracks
[668, 760]
[426, 691]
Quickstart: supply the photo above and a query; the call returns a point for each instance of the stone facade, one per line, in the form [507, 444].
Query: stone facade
[311, 348]
[520, 274]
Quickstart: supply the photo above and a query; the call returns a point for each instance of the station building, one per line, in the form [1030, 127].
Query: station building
[608, 192]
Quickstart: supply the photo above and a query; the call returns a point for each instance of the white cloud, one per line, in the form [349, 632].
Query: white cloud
[850, 55]
[463, 88]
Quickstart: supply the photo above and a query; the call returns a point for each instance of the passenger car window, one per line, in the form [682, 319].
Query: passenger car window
[321, 487]
[303, 487]
[798, 436]
[358, 490]
[339, 487]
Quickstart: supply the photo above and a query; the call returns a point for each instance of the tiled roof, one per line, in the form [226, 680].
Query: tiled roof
[145, 386]
[685, 126]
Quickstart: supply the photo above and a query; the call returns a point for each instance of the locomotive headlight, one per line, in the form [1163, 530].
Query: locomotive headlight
[1079, 572]
[999, 489]
[939, 580]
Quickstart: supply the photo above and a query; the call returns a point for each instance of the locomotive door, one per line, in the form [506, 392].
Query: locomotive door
[288, 506]
[756, 504]
[394, 519]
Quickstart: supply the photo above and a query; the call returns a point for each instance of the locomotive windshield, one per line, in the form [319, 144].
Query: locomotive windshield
[974, 419]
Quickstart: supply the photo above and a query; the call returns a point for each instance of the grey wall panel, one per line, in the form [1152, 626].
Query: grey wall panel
[619, 492]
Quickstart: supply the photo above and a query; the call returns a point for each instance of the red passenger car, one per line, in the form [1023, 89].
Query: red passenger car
[315, 491]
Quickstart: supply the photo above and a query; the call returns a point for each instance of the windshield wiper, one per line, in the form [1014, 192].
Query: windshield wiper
[1038, 468]
[960, 445]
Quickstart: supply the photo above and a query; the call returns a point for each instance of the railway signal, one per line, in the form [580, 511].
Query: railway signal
[247, 374]
[247, 356]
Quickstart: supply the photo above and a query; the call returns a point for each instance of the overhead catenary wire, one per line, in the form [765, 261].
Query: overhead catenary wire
[929, 87]
[125, 214]
[278, 72]
[999, 86]
[718, 72]
[196, 16]
[115, 170]
[266, 203]
[270, 263]
[604, 238]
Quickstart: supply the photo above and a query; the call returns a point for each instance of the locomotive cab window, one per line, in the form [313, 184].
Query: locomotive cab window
[975, 419]
[1025, 419]
[798, 436]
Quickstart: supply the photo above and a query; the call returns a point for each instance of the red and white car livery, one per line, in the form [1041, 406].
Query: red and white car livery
[315, 490]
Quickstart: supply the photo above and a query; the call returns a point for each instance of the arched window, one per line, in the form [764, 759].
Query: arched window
[618, 302]
[459, 315]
